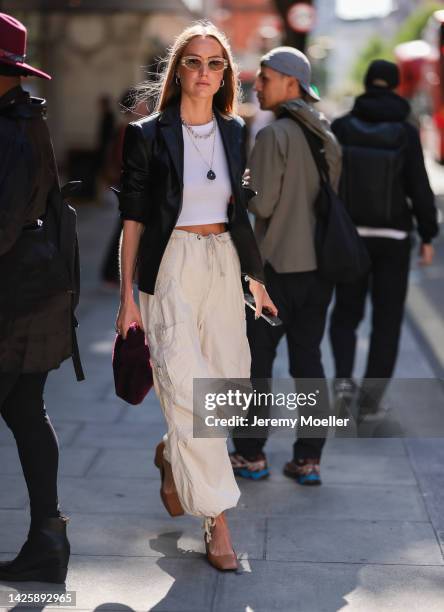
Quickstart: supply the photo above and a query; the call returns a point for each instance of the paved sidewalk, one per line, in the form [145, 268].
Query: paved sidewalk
[370, 539]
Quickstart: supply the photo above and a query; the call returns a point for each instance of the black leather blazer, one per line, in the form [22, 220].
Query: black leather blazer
[152, 189]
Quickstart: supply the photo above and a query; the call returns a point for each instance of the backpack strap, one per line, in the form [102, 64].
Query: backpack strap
[77, 362]
[56, 200]
[66, 250]
[316, 147]
[24, 110]
[66, 245]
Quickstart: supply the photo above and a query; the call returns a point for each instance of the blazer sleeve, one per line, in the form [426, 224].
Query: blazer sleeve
[418, 188]
[133, 195]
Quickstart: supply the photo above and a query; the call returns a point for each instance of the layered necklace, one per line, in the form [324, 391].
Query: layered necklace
[194, 137]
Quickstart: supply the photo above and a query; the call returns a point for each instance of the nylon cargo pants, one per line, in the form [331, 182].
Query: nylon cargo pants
[196, 328]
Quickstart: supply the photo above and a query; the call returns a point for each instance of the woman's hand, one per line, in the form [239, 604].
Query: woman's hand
[246, 178]
[128, 313]
[261, 299]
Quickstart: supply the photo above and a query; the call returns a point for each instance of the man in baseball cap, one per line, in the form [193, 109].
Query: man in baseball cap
[285, 177]
[293, 63]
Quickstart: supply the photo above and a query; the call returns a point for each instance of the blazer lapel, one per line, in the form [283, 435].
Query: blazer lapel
[231, 138]
[171, 128]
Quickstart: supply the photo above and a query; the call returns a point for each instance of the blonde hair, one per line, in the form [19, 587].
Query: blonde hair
[164, 91]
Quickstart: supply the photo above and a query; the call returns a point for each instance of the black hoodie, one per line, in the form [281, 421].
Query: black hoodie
[380, 105]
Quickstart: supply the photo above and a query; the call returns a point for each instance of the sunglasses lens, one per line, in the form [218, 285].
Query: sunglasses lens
[216, 65]
[192, 63]
[195, 63]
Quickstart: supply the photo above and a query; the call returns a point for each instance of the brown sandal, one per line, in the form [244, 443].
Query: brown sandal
[170, 500]
[223, 563]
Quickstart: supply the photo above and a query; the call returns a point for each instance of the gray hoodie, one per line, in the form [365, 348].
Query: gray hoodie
[286, 179]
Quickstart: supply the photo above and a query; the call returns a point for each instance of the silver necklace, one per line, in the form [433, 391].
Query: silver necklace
[211, 175]
[201, 136]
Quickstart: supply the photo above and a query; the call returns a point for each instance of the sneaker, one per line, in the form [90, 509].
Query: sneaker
[305, 471]
[345, 391]
[370, 400]
[372, 415]
[255, 469]
[344, 387]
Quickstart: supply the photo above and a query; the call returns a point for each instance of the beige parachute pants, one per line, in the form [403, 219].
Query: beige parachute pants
[196, 328]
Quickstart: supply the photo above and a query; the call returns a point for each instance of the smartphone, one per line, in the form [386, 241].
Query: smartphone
[272, 320]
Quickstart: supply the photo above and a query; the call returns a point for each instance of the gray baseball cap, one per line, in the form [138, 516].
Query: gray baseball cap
[292, 62]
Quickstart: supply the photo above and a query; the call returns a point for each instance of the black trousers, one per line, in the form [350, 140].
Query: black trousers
[23, 409]
[302, 299]
[387, 284]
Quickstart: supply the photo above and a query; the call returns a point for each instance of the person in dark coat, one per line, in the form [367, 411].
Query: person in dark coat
[385, 187]
[36, 338]
[285, 176]
[130, 111]
[106, 130]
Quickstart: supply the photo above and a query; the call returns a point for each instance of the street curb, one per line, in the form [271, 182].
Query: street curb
[427, 327]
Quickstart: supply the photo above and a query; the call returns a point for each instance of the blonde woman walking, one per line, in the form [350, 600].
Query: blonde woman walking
[186, 224]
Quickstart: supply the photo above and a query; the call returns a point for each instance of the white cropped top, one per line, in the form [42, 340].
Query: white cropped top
[204, 201]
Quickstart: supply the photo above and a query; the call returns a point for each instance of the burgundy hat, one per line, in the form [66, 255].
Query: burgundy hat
[13, 46]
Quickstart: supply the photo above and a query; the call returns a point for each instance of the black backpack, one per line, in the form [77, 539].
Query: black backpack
[44, 260]
[341, 255]
[373, 161]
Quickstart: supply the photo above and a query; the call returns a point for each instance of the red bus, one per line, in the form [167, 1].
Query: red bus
[421, 64]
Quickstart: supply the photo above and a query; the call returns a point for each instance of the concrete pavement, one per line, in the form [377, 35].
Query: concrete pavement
[369, 539]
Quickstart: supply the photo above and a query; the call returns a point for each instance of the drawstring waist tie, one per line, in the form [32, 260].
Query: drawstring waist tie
[211, 240]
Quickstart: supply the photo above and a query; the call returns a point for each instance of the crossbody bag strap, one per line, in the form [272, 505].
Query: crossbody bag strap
[317, 149]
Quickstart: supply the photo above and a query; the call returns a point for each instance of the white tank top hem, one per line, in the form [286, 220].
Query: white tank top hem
[203, 222]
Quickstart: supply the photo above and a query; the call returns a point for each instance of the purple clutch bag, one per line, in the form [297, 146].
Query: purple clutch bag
[133, 377]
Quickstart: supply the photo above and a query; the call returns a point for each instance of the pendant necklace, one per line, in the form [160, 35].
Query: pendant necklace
[211, 175]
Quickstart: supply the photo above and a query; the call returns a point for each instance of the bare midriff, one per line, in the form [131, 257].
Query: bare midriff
[204, 230]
